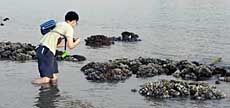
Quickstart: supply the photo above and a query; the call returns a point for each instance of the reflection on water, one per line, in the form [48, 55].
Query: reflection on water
[48, 96]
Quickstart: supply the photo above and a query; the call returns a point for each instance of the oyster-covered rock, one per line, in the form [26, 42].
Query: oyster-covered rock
[26, 51]
[110, 72]
[174, 88]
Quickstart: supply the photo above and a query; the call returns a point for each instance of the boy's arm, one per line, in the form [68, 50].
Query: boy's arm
[72, 44]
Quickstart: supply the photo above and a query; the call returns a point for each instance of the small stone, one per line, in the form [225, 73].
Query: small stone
[6, 19]
[134, 90]
[217, 82]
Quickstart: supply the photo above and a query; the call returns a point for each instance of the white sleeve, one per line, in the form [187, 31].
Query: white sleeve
[69, 32]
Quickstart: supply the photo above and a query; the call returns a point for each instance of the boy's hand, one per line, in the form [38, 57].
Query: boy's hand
[77, 41]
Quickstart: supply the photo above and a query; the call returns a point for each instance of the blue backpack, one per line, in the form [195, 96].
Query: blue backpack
[47, 26]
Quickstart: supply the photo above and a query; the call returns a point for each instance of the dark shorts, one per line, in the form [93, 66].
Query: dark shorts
[47, 63]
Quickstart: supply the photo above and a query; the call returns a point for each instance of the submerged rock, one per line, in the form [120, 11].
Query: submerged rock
[26, 51]
[174, 88]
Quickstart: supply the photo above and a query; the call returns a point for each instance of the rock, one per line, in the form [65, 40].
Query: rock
[25, 51]
[72, 58]
[174, 88]
[106, 72]
[1, 24]
[98, 41]
[6, 19]
[150, 67]
[149, 70]
[193, 70]
[134, 90]
[217, 82]
[129, 36]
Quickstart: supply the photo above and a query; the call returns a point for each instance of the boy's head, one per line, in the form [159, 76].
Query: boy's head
[71, 17]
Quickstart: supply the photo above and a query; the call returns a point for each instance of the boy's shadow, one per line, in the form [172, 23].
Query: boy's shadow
[47, 96]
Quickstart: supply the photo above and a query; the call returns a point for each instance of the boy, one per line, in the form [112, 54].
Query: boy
[46, 50]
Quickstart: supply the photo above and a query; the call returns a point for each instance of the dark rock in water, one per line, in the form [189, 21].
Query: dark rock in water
[193, 70]
[174, 88]
[6, 19]
[150, 67]
[17, 51]
[1, 24]
[217, 82]
[127, 37]
[73, 58]
[24, 51]
[98, 41]
[109, 72]
[134, 90]
[219, 70]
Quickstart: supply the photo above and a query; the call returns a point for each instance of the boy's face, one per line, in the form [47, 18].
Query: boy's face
[73, 23]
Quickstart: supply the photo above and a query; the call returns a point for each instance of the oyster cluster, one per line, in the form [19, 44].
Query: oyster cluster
[110, 72]
[175, 88]
[26, 51]
[17, 51]
[150, 67]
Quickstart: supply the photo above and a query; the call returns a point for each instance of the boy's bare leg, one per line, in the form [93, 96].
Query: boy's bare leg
[55, 77]
[41, 80]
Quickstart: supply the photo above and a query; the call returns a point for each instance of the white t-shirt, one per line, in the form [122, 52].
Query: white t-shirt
[51, 38]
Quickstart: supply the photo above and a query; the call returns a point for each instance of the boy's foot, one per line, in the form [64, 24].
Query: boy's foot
[41, 80]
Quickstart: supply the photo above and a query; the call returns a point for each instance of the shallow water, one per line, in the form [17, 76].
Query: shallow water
[175, 29]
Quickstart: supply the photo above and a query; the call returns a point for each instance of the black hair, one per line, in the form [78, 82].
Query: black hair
[71, 15]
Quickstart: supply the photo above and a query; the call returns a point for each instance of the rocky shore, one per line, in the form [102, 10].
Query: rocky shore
[175, 88]
[26, 51]
[120, 69]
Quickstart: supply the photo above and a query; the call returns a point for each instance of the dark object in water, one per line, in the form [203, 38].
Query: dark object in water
[79, 57]
[127, 37]
[6, 19]
[2, 24]
[134, 90]
[217, 82]
[98, 41]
